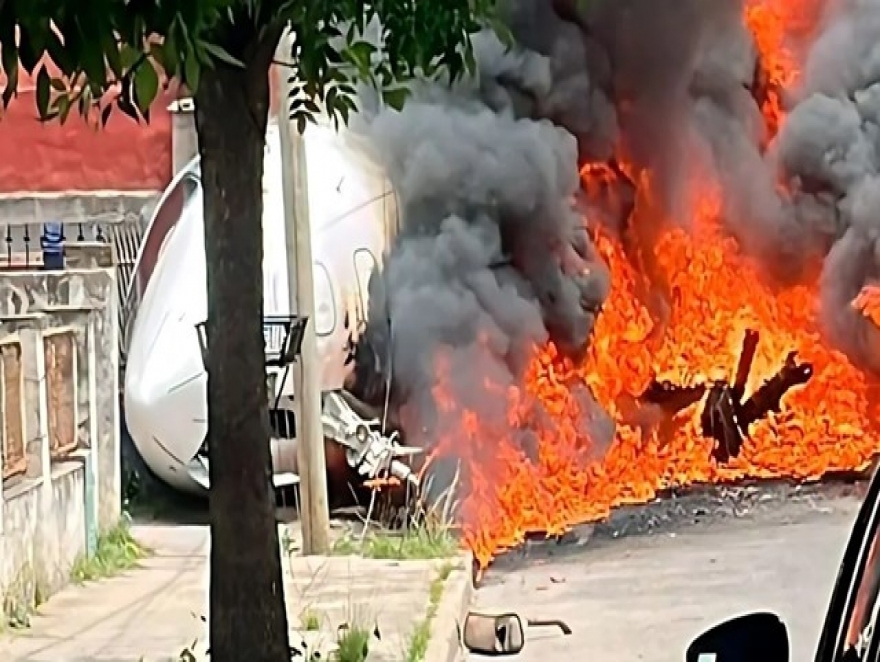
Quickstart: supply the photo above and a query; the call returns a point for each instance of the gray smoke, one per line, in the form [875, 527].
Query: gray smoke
[827, 156]
[493, 258]
[838, 121]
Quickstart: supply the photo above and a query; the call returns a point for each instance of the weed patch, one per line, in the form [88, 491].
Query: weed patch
[116, 552]
[417, 643]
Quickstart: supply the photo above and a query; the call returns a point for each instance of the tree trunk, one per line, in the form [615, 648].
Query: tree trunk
[248, 620]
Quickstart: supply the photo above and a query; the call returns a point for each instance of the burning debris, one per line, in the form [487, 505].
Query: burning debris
[599, 213]
[868, 303]
[726, 417]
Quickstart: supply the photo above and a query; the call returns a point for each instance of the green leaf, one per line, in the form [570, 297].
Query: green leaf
[105, 114]
[503, 32]
[44, 90]
[193, 70]
[360, 53]
[92, 62]
[470, 62]
[50, 115]
[330, 100]
[343, 111]
[60, 55]
[395, 97]
[159, 57]
[220, 54]
[171, 54]
[129, 57]
[62, 105]
[59, 85]
[146, 85]
[113, 54]
[28, 55]
[301, 122]
[9, 59]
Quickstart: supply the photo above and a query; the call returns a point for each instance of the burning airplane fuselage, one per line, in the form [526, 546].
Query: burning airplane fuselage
[615, 204]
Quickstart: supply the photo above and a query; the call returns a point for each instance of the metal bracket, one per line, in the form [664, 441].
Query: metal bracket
[368, 451]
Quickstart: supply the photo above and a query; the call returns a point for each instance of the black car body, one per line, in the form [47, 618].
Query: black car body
[853, 613]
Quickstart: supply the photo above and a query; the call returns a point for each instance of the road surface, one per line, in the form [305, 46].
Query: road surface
[645, 597]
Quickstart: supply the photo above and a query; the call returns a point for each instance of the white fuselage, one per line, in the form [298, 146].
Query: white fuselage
[352, 211]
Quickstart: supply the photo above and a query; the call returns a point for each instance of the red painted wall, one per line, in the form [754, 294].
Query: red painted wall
[124, 156]
[127, 156]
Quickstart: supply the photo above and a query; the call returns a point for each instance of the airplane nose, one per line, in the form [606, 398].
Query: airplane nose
[165, 397]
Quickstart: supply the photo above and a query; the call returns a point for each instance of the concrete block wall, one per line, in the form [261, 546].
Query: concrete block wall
[52, 512]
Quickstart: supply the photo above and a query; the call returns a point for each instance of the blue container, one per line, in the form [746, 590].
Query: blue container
[52, 244]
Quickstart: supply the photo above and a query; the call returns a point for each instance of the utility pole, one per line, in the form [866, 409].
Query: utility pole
[312, 463]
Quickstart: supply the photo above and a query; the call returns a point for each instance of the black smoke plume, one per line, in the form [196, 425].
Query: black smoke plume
[493, 257]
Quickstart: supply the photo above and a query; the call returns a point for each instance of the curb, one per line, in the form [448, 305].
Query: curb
[458, 593]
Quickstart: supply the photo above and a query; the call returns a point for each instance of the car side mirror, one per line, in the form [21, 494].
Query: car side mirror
[493, 634]
[759, 636]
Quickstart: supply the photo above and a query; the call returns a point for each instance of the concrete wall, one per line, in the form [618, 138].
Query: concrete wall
[52, 511]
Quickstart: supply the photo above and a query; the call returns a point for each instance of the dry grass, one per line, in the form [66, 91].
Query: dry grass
[418, 530]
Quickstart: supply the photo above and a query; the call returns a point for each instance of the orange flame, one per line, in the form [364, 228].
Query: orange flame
[714, 294]
[718, 294]
[781, 29]
[868, 303]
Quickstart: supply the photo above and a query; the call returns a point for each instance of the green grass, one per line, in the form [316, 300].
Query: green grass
[421, 544]
[417, 643]
[116, 552]
[353, 643]
[310, 620]
[22, 596]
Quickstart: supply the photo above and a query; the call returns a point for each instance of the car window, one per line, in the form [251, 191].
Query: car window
[863, 614]
[846, 635]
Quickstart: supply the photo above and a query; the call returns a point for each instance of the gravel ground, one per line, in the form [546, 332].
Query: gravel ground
[643, 584]
[764, 503]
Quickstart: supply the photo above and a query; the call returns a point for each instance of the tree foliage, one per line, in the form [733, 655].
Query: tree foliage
[120, 53]
[91, 56]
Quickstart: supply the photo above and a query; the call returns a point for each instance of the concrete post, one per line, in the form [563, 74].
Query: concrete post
[91, 467]
[315, 515]
[45, 455]
[2, 491]
[184, 139]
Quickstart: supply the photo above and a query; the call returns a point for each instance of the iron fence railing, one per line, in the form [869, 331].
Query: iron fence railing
[21, 242]
[21, 249]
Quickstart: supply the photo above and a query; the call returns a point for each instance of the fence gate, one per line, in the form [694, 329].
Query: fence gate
[126, 238]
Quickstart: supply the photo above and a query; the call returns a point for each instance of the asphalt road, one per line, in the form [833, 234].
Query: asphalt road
[644, 592]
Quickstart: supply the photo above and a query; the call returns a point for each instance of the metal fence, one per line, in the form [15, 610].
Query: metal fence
[22, 248]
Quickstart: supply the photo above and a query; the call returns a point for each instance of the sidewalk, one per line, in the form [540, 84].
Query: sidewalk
[154, 612]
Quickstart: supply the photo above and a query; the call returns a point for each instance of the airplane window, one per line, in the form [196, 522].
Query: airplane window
[364, 265]
[325, 302]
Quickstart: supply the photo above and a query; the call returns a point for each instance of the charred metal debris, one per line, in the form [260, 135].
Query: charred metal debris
[727, 414]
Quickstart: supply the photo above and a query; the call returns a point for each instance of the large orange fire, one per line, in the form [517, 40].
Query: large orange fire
[715, 295]
[782, 30]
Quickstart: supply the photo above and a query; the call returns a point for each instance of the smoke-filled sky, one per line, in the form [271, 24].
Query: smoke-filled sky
[493, 257]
